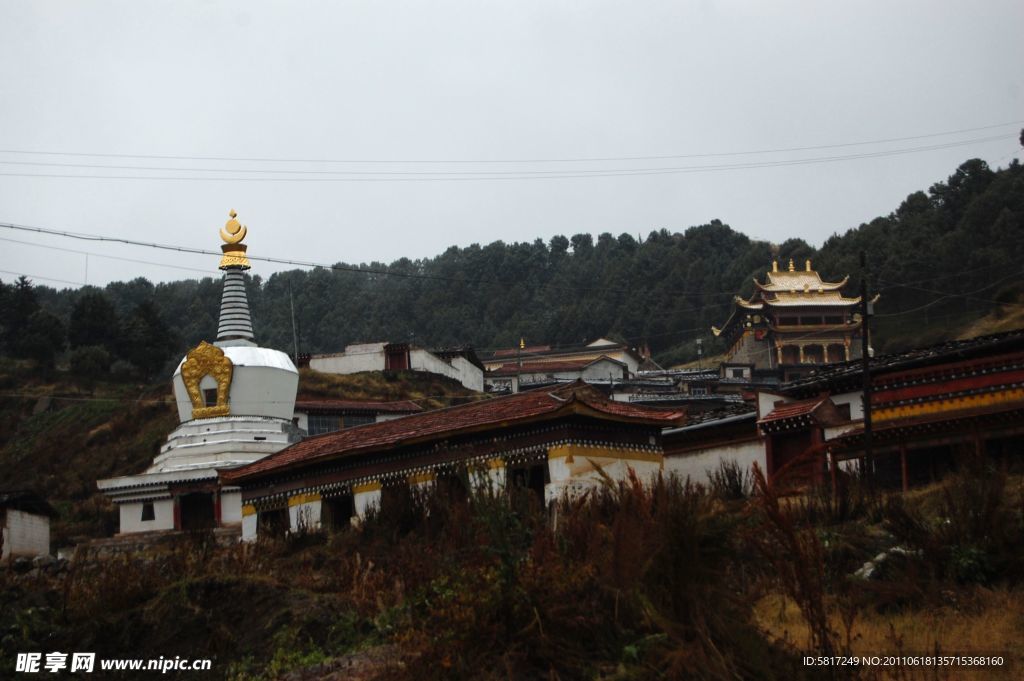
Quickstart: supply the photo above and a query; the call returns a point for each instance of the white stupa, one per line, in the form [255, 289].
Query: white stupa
[235, 403]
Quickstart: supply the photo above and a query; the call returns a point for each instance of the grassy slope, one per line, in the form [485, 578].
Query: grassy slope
[485, 591]
[104, 429]
[1005, 318]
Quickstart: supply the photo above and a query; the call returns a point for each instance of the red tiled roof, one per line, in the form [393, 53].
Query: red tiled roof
[401, 406]
[498, 412]
[791, 409]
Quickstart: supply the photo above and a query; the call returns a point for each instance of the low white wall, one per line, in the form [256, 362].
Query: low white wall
[460, 370]
[131, 516]
[472, 375]
[250, 521]
[230, 506]
[26, 534]
[698, 464]
[353, 361]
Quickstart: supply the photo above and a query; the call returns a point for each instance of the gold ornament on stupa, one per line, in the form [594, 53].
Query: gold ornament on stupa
[233, 248]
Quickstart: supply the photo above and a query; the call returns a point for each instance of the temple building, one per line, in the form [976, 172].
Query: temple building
[235, 405]
[793, 321]
[551, 442]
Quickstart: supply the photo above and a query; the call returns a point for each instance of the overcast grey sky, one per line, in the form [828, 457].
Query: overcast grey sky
[387, 82]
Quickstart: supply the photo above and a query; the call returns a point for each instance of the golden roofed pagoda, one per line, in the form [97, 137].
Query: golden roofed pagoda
[793, 320]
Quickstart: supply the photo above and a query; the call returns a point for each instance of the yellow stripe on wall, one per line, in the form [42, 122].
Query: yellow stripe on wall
[366, 487]
[571, 451]
[952, 404]
[418, 478]
[303, 499]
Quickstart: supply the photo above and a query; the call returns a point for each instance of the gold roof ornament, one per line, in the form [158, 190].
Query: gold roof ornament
[791, 268]
[234, 250]
[207, 360]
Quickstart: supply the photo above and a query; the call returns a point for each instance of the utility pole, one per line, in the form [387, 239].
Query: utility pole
[700, 353]
[519, 362]
[295, 334]
[865, 362]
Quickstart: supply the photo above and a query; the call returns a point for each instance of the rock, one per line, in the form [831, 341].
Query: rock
[43, 561]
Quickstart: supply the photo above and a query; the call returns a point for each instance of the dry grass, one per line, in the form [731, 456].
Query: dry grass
[1004, 318]
[703, 363]
[992, 622]
[430, 391]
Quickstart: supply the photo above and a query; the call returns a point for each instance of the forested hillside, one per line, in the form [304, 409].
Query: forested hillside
[942, 259]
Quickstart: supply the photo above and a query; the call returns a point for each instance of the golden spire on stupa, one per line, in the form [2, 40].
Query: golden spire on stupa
[233, 248]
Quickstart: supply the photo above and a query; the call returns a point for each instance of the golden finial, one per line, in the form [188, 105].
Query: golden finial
[791, 268]
[233, 248]
[808, 264]
[522, 343]
[775, 265]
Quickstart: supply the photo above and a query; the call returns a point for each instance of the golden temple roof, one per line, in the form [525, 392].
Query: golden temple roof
[788, 299]
[793, 279]
[790, 288]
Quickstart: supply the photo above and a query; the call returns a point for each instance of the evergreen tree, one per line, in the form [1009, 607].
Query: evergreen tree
[94, 322]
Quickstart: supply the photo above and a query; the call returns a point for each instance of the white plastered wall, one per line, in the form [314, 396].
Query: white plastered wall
[25, 534]
[230, 506]
[305, 516]
[363, 501]
[131, 516]
[697, 465]
[572, 477]
[250, 522]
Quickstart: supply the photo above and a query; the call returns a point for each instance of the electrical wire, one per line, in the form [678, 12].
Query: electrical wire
[108, 257]
[584, 159]
[480, 176]
[315, 265]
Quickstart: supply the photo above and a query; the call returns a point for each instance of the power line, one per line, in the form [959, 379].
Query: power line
[36, 276]
[519, 160]
[474, 173]
[484, 176]
[301, 263]
[108, 257]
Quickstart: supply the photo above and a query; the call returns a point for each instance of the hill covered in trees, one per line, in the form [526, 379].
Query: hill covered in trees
[942, 259]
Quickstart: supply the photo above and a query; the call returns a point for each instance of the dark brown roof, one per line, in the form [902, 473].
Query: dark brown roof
[528, 350]
[500, 412]
[27, 501]
[847, 375]
[513, 368]
[337, 406]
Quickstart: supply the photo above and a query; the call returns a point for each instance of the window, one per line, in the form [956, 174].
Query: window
[324, 423]
[698, 389]
[336, 512]
[357, 420]
[210, 397]
[147, 512]
[273, 522]
[737, 373]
